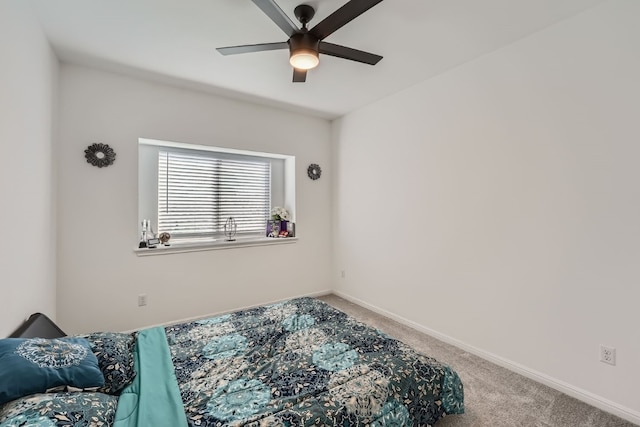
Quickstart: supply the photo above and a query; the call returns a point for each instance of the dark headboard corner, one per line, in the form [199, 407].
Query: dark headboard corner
[38, 325]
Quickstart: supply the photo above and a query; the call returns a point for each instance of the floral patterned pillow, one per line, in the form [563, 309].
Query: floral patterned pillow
[114, 352]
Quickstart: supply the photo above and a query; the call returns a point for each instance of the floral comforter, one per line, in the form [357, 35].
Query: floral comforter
[304, 363]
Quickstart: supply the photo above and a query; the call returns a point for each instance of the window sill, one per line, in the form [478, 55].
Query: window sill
[177, 248]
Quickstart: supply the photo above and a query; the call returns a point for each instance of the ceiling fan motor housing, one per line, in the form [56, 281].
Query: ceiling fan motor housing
[303, 41]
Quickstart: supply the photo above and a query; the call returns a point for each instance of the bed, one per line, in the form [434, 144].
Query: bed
[295, 363]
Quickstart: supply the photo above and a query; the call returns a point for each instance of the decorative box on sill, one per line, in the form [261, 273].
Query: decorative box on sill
[277, 228]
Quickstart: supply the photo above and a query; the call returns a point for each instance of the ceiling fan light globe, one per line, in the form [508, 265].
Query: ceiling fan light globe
[304, 59]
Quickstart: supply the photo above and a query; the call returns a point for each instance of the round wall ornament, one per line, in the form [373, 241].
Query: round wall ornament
[100, 155]
[314, 171]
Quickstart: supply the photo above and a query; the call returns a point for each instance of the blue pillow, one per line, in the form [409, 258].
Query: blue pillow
[34, 365]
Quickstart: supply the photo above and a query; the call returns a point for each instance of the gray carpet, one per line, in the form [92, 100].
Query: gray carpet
[494, 396]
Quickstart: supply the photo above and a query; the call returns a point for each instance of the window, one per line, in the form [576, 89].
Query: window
[197, 192]
[190, 191]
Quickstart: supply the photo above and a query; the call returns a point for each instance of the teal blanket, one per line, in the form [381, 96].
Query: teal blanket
[160, 403]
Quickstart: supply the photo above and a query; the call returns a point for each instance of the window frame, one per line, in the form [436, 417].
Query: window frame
[148, 192]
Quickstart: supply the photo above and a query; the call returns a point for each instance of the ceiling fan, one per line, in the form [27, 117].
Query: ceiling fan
[305, 44]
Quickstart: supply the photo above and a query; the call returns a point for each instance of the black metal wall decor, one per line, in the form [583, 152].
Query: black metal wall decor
[314, 171]
[100, 155]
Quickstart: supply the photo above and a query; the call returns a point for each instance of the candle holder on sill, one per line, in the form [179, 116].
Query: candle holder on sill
[230, 229]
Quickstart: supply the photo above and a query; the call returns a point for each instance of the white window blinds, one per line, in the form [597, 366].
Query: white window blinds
[198, 192]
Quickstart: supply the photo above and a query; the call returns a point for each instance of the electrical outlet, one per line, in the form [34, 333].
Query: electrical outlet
[608, 355]
[142, 300]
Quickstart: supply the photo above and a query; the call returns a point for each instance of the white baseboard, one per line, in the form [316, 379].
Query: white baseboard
[219, 313]
[566, 388]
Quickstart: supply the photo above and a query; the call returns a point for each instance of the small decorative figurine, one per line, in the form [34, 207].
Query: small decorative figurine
[164, 238]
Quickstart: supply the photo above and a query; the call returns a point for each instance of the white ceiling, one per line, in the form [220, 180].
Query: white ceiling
[175, 41]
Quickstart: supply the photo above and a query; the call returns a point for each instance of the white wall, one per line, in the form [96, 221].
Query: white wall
[100, 277]
[499, 204]
[28, 84]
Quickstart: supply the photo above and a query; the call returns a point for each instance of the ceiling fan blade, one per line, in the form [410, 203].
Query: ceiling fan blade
[348, 53]
[273, 11]
[248, 48]
[342, 16]
[299, 76]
